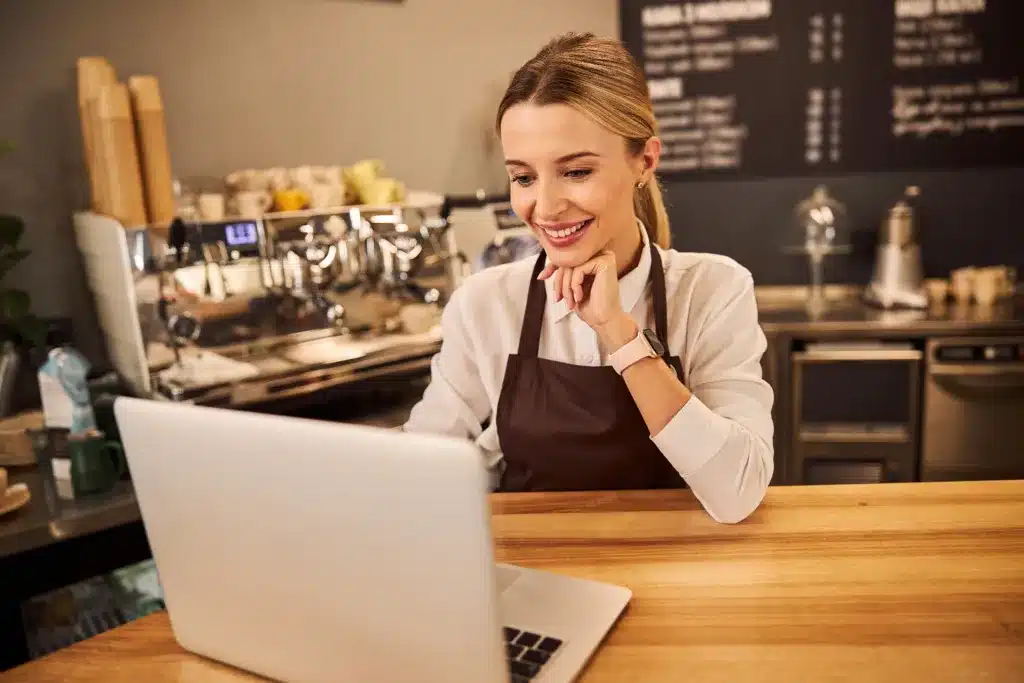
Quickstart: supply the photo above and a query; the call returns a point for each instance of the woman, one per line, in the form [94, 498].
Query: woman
[608, 361]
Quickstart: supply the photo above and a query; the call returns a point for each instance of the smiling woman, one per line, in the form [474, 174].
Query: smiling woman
[583, 130]
[610, 361]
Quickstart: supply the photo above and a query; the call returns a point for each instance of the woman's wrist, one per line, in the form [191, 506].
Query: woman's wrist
[617, 332]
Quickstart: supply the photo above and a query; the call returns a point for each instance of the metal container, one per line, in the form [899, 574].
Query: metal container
[900, 225]
[898, 279]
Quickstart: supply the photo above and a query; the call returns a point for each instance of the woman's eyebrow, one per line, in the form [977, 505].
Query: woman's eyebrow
[560, 160]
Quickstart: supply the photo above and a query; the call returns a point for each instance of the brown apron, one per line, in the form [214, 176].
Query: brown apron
[566, 427]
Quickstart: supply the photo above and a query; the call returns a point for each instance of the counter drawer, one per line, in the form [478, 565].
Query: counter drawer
[856, 392]
[853, 463]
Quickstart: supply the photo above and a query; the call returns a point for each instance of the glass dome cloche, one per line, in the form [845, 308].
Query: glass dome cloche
[820, 229]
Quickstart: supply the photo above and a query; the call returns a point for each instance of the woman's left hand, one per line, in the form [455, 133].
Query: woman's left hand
[591, 289]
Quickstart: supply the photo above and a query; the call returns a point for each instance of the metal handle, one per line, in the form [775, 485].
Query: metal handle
[852, 354]
[984, 388]
[1009, 370]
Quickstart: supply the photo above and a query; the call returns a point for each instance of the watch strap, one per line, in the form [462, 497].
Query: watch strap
[632, 351]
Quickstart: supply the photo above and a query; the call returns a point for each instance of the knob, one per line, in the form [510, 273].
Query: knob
[335, 314]
[183, 327]
[177, 239]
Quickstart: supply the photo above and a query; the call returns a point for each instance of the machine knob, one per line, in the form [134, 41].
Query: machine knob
[177, 239]
[183, 327]
[335, 314]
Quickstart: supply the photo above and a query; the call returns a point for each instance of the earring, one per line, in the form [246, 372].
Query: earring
[640, 185]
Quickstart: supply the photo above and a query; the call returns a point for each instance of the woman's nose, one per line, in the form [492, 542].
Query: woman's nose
[549, 201]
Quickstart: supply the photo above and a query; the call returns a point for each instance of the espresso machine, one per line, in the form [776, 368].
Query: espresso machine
[246, 310]
[488, 231]
[898, 279]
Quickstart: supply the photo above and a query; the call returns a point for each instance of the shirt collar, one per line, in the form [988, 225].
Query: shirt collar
[632, 285]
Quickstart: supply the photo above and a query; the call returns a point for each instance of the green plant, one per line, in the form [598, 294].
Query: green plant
[17, 323]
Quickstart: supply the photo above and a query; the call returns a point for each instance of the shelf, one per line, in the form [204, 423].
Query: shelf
[854, 433]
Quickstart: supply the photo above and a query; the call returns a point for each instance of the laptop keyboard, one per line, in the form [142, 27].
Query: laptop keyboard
[528, 652]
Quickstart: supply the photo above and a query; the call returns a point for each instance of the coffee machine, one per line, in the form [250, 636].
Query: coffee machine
[247, 310]
[488, 231]
[898, 280]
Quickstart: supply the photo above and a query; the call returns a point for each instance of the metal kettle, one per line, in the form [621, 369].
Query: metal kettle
[898, 280]
[900, 226]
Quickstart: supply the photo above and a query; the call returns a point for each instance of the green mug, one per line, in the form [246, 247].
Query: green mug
[97, 464]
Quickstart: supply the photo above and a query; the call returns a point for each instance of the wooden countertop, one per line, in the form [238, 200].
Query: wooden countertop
[891, 582]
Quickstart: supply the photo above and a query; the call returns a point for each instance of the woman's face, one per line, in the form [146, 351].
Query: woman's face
[572, 181]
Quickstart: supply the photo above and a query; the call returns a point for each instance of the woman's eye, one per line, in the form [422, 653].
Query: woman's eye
[578, 173]
[523, 180]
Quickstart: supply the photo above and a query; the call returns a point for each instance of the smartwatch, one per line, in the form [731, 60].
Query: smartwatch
[645, 345]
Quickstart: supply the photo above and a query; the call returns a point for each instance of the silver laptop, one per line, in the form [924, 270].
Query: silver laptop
[310, 551]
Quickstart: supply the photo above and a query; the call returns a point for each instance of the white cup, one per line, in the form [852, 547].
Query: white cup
[240, 180]
[938, 290]
[332, 175]
[324, 196]
[987, 286]
[279, 178]
[302, 177]
[962, 280]
[211, 206]
[252, 204]
[1006, 279]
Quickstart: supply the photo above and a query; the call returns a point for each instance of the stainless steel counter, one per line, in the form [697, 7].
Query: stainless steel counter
[304, 365]
[783, 311]
[790, 326]
[48, 519]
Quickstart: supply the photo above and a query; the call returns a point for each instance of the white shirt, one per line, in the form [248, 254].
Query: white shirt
[720, 441]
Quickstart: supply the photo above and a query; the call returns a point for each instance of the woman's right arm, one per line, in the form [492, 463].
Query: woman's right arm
[455, 402]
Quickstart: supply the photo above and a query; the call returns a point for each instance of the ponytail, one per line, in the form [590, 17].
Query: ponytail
[649, 207]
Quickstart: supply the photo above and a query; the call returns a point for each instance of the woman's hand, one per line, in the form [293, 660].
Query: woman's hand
[591, 289]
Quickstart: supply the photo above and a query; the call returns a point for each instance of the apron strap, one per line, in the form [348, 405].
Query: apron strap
[660, 300]
[529, 336]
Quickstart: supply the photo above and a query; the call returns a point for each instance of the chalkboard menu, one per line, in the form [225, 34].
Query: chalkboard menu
[746, 88]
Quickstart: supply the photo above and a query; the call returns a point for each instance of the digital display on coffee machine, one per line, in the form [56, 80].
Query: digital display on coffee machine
[241, 234]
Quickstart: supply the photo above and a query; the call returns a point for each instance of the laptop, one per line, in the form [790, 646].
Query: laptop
[309, 551]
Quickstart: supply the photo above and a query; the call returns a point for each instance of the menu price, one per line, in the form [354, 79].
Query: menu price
[769, 88]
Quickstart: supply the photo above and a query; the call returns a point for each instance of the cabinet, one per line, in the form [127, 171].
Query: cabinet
[853, 413]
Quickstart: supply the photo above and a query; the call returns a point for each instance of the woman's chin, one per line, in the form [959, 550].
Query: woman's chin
[568, 258]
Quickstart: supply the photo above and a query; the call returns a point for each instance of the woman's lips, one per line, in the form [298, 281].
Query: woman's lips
[565, 234]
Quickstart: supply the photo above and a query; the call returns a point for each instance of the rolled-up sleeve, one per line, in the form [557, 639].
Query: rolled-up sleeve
[721, 439]
[455, 402]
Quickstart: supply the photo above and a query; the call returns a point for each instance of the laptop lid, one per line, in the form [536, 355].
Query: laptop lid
[313, 551]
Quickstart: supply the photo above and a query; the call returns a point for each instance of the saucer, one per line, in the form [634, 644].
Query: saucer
[15, 497]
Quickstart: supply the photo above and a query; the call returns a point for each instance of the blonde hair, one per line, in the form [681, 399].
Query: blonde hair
[599, 78]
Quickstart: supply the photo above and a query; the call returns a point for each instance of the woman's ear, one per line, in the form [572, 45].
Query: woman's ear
[651, 155]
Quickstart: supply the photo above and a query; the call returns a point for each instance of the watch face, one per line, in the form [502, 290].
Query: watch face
[655, 343]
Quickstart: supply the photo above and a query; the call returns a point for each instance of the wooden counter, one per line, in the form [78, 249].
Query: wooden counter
[893, 582]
